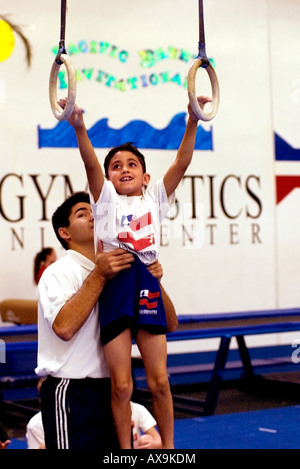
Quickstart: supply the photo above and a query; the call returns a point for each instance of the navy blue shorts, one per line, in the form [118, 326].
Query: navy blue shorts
[132, 299]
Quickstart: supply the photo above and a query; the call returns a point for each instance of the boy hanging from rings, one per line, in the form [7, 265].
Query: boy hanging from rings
[128, 214]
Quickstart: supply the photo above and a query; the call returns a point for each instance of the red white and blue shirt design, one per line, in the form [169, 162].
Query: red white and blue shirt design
[132, 223]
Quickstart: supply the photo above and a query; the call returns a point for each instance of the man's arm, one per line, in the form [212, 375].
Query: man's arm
[77, 309]
[93, 168]
[185, 152]
[171, 317]
[172, 321]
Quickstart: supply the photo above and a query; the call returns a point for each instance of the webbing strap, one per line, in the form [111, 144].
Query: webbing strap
[201, 45]
[61, 47]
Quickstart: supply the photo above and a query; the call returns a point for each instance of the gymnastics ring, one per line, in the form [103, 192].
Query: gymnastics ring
[59, 113]
[196, 64]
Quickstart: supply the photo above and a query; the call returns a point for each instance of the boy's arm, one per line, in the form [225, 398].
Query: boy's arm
[93, 168]
[185, 152]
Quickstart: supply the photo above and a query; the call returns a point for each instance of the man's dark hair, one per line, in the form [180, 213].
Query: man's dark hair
[60, 218]
[124, 147]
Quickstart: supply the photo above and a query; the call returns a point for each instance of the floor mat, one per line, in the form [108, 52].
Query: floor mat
[18, 443]
[264, 429]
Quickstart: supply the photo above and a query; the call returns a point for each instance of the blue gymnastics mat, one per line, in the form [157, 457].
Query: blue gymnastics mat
[18, 443]
[277, 428]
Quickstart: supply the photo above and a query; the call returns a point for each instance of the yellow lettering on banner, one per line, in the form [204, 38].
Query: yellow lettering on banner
[96, 47]
[122, 84]
[150, 57]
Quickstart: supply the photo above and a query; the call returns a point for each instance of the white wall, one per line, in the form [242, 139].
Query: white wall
[243, 253]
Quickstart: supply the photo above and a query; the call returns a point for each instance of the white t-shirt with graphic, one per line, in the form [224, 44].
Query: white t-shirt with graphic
[132, 223]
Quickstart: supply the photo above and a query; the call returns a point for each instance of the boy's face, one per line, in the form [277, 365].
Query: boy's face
[126, 173]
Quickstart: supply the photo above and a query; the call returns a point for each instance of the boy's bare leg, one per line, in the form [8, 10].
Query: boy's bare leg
[153, 349]
[118, 355]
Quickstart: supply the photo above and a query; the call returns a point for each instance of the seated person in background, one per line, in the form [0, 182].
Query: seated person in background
[145, 435]
[41, 261]
[34, 430]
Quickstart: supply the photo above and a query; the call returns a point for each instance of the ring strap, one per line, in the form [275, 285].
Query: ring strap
[201, 44]
[61, 47]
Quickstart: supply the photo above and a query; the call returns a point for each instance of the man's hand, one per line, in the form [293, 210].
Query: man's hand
[156, 270]
[77, 309]
[109, 264]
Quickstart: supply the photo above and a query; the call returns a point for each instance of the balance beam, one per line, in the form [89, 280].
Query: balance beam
[226, 326]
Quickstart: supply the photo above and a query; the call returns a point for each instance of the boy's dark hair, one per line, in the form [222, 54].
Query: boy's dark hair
[60, 218]
[124, 147]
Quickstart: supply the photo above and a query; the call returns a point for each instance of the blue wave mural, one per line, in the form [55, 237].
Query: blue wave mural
[284, 151]
[142, 134]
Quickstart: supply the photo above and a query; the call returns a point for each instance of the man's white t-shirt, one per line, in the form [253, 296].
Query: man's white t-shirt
[83, 355]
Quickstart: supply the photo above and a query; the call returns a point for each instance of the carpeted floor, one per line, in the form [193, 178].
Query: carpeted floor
[244, 419]
[264, 429]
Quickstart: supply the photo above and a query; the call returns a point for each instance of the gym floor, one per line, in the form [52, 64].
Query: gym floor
[263, 417]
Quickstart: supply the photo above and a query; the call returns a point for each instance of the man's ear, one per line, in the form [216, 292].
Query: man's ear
[146, 179]
[64, 233]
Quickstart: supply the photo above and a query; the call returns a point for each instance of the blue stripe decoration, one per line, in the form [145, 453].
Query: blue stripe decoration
[142, 134]
[284, 151]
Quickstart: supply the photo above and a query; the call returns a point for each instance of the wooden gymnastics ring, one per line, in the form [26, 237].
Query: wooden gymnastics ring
[196, 64]
[59, 113]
